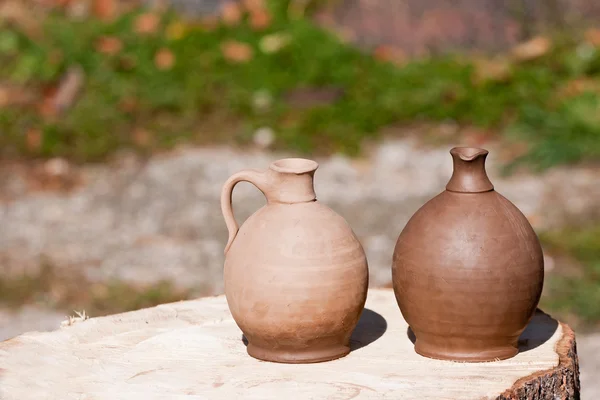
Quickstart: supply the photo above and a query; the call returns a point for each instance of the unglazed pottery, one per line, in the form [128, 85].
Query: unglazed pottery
[296, 276]
[468, 268]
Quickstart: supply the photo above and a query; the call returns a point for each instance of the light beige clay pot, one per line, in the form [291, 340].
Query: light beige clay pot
[296, 276]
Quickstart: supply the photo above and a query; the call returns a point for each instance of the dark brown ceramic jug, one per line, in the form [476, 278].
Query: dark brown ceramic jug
[468, 268]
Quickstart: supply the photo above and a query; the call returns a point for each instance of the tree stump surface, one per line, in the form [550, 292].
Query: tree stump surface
[194, 350]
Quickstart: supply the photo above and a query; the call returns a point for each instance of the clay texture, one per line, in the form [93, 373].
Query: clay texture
[468, 268]
[296, 276]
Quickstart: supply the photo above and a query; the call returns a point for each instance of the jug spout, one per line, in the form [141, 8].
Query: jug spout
[469, 174]
[291, 181]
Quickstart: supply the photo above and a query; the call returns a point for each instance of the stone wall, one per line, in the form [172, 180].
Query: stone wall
[423, 26]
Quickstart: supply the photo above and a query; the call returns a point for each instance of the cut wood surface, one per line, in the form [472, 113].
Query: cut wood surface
[194, 350]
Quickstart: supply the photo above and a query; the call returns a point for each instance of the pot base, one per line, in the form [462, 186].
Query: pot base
[298, 357]
[496, 354]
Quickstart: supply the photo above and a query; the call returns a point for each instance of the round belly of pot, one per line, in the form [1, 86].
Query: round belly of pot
[468, 274]
[296, 280]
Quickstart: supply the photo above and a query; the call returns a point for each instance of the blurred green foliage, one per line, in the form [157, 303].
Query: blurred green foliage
[69, 291]
[576, 293]
[566, 133]
[206, 98]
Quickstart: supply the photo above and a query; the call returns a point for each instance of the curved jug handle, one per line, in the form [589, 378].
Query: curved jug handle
[255, 177]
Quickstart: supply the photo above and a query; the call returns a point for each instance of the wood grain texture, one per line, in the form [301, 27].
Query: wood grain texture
[194, 350]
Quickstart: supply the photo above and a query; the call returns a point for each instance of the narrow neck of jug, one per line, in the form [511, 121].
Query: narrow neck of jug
[469, 175]
[291, 181]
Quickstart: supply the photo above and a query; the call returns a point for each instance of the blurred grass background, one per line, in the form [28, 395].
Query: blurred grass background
[149, 80]
[157, 79]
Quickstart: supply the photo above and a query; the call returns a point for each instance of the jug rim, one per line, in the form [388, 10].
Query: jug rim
[467, 153]
[294, 166]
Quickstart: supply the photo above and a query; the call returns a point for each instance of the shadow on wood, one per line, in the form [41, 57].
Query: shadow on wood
[411, 335]
[540, 329]
[370, 327]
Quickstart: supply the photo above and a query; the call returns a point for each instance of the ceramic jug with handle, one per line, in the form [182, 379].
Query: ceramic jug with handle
[295, 275]
[468, 268]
